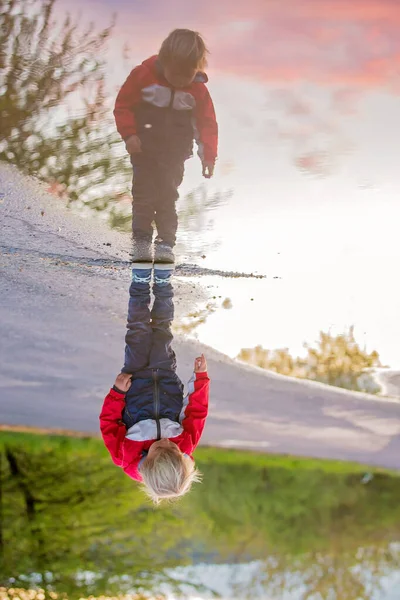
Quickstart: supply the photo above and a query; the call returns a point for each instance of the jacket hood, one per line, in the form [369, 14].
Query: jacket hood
[153, 64]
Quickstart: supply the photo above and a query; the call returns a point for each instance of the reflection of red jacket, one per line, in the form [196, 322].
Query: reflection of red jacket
[126, 453]
[165, 117]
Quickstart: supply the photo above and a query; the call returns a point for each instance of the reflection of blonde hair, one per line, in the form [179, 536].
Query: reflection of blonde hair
[185, 48]
[168, 475]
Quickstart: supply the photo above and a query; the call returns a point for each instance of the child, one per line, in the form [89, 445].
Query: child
[162, 106]
[148, 427]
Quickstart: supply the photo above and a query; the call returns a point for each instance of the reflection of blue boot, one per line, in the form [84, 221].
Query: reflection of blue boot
[163, 253]
[142, 249]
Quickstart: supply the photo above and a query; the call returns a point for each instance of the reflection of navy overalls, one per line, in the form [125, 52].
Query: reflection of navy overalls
[164, 121]
[156, 391]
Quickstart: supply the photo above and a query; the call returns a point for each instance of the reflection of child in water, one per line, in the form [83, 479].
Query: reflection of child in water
[149, 428]
[162, 106]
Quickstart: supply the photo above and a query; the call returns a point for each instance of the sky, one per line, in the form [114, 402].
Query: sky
[307, 104]
[230, 580]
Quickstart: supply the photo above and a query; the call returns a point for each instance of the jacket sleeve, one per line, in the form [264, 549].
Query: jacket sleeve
[195, 408]
[112, 428]
[128, 97]
[207, 127]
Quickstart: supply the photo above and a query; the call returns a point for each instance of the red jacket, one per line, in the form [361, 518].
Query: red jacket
[149, 107]
[127, 453]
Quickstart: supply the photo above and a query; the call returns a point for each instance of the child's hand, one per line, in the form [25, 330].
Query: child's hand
[208, 170]
[133, 145]
[123, 382]
[200, 364]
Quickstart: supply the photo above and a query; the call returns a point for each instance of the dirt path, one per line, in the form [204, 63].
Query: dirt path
[63, 295]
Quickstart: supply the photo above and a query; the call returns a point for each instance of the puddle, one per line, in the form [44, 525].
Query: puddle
[305, 190]
[307, 176]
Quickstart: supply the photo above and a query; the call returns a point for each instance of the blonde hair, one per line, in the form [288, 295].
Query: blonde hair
[186, 48]
[168, 475]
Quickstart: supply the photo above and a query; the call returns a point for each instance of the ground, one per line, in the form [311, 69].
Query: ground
[63, 297]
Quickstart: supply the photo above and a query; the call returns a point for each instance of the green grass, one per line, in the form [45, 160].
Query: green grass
[87, 445]
[66, 507]
[258, 459]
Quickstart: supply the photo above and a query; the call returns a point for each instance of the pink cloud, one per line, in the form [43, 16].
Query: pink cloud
[324, 41]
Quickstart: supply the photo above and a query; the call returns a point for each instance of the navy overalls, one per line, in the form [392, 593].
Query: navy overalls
[156, 391]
